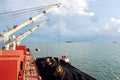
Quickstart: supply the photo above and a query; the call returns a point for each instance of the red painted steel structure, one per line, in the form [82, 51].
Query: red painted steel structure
[13, 64]
[8, 69]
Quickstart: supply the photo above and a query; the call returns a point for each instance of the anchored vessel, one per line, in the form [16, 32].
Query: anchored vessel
[17, 62]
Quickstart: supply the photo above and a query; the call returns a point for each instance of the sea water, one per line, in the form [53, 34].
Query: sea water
[100, 60]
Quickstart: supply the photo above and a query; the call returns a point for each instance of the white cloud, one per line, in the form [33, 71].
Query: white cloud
[114, 20]
[112, 27]
[62, 29]
[73, 7]
[106, 26]
[118, 30]
[68, 7]
[113, 23]
[96, 29]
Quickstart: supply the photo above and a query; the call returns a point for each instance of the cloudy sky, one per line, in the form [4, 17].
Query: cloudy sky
[75, 20]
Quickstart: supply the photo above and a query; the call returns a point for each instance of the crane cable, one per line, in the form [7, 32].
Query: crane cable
[26, 9]
[20, 12]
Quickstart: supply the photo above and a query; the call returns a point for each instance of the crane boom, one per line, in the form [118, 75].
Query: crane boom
[32, 19]
[16, 41]
[30, 31]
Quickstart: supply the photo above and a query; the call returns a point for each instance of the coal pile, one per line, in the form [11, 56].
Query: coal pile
[56, 69]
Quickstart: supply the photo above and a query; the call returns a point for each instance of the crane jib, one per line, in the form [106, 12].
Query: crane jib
[16, 41]
[31, 20]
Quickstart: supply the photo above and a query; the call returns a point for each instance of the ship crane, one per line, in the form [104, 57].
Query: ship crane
[6, 35]
[16, 41]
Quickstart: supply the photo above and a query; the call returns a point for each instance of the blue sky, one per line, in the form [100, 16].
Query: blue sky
[76, 20]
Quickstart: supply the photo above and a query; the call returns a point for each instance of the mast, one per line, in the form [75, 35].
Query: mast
[5, 36]
[16, 41]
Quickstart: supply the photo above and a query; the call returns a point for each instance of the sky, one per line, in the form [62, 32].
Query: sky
[75, 20]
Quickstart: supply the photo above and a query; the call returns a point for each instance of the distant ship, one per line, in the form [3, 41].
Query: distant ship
[69, 41]
[17, 62]
[114, 41]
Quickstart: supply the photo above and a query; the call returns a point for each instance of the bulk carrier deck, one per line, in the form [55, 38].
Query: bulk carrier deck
[18, 65]
[17, 62]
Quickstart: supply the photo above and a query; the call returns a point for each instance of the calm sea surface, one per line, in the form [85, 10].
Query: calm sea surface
[100, 60]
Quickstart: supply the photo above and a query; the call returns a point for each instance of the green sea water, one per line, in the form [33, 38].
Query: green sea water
[100, 60]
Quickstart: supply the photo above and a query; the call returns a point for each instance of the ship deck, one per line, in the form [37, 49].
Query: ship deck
[21, 63]
[31, 71]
